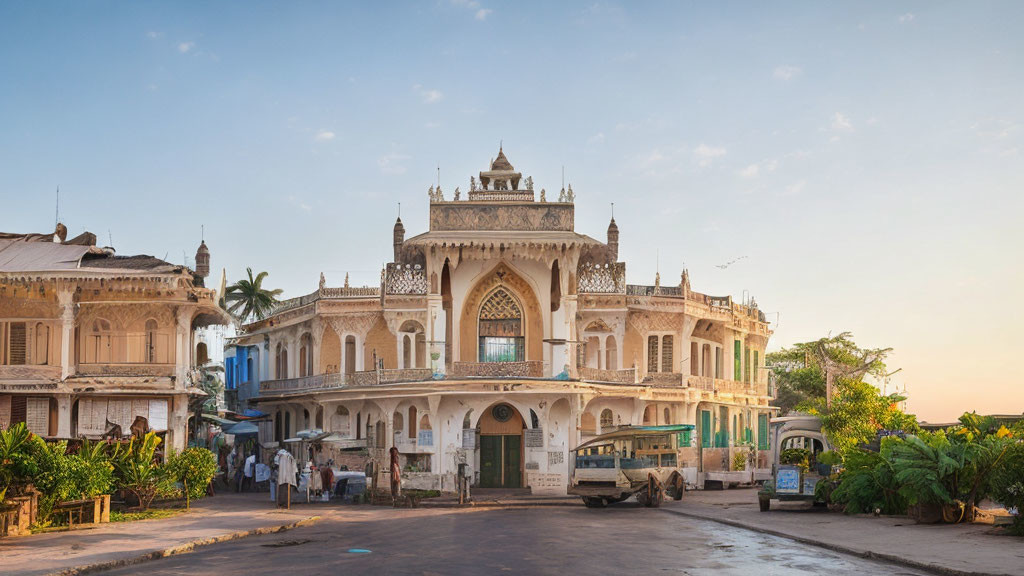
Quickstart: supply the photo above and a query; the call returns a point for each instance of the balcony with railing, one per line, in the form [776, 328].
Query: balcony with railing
[708, 384]
[525, 369]
[626, 376]
[665, 379]
[360, 379]
[29, 372]
[601, 278]
[405, 279]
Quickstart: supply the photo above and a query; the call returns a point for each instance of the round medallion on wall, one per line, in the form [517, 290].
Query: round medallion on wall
[502, 412]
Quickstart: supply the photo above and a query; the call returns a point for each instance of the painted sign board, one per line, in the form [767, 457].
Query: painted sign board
[534, 437]
[787, 480]
[546, 483]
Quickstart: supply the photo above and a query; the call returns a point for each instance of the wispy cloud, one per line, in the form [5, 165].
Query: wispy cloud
[757, 168]
[904, 18]
[841, 123]
[705, 155]
[298, 203]
[429, 96]
[185, 47]
[786, 72]
[393, 163]
[153, 34]
[795, 189]
[479, 12]
[324, 135]
[596, 138]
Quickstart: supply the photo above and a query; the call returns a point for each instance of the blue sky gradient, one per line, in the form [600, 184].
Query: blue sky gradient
[864, 157]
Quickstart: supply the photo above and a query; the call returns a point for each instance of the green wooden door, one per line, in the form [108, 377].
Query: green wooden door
[513, 474]
[490, 461]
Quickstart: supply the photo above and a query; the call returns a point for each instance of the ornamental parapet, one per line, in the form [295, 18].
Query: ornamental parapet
[594, 278]
[708, 384]
[405, 279]
[326, 293]
[527, 369]
[665, 379]
[28, 372]
[643, 290]
[335, 381]
[626, 376]
[126, 369]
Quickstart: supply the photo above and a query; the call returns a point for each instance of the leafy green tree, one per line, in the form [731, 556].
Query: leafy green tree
[801, 371]
[248, 300]
[135, 469]
[194, 468]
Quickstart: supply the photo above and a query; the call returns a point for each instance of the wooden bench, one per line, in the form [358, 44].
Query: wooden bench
[89, 511]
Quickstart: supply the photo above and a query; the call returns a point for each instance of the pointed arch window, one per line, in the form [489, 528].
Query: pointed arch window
[501, 328]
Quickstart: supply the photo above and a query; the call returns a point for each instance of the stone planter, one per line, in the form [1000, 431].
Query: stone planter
[18, 513]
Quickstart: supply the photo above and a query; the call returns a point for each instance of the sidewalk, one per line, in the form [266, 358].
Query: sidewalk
[216, 519]
[950, 549]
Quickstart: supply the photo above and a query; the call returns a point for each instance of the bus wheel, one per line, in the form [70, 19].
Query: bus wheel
[594, 502]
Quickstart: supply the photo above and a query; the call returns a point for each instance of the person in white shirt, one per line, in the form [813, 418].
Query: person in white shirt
[249, 472]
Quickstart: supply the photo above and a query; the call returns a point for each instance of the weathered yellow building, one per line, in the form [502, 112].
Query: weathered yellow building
[501, 338]
[90, 340]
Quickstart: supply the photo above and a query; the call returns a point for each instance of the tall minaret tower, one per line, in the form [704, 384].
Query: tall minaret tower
[399, 237]
[613, 240]
[202, 261]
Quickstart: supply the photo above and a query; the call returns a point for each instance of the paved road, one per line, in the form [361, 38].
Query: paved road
[619, 540]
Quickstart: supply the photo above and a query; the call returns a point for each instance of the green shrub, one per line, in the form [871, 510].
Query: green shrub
[18, 457]
[868, 482]
[134, 469]
[194, 468]
[795, 457]
[1008, 484]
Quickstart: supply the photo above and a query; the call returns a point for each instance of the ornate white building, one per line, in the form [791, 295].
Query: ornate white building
[502, 338]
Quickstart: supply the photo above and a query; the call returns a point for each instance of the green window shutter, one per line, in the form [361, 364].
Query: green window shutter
[757, 369]
[746, 365]
[705, 428]
[737, 358]
[762, 431]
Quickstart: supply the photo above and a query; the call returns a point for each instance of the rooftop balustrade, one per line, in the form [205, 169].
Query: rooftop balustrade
[627, 376]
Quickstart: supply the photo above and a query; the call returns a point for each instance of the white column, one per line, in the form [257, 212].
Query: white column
[360, 353]
[602, 351]
[67, 335]
[64, 416]
[182, 355]
[435, 333]
[401, 350]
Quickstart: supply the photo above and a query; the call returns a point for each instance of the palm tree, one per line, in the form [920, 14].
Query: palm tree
[249, 295]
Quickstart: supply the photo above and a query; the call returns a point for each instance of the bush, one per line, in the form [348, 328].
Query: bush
[194, 468]
[796, 457]
[739, 461]
[867, 483]
[134, 469]
[19, 449]
[1008, 484]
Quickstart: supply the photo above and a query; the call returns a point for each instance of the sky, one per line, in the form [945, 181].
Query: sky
[860, 165]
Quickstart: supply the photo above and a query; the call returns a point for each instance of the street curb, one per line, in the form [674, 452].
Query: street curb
[499, 504]
[892, 559]
[182, 548]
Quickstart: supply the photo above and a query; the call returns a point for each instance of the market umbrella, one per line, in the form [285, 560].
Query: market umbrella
[251, 413]
[242, 428]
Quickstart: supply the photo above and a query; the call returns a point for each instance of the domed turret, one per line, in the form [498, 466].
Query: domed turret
[613, 240]
[399, 238]
[203, 261]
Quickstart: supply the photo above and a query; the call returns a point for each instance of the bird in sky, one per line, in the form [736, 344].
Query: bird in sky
[729, 263]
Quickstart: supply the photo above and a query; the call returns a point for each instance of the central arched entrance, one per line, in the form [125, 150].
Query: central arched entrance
[501, 447]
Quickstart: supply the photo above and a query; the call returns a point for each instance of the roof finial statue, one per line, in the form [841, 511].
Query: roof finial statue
[529, 183]
[472, 183]
[561, 195]
[431, 194]
[346, 279]
[570, 197]
[457, 193]
[543, 195]
[323, 281]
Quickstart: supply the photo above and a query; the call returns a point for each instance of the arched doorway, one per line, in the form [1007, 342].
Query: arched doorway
[501, 447]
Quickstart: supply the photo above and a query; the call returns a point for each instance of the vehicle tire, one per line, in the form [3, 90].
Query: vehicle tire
[680, 487]
[594, 502]
[642, 499]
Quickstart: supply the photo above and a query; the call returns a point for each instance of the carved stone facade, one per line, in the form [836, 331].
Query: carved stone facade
[502, 305]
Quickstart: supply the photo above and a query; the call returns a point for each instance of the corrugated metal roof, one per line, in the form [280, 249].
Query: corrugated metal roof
[22, 255]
